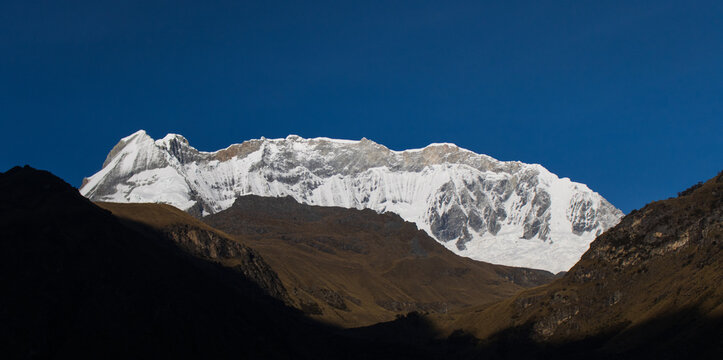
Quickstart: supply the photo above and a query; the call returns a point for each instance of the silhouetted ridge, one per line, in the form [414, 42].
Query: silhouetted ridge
[27, 187]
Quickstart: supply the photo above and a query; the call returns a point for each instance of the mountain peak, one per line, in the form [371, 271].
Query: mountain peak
[138, 135]
[174, 137]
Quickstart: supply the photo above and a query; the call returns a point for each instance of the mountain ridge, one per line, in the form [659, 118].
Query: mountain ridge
[358, 267]
[507, 213]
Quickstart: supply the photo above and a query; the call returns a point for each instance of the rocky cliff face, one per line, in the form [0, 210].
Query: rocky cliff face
[508, 213]
[201, 241]
[212, 246]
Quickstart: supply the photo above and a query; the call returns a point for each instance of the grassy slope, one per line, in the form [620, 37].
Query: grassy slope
[355, 268]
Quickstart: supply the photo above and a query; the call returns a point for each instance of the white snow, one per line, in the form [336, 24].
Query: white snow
[144, 171]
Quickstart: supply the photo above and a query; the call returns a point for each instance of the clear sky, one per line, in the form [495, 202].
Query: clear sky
[625, 96]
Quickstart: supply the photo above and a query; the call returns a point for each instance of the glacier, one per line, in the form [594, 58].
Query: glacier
[502, 212]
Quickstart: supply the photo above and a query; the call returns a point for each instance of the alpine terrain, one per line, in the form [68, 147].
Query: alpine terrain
[345, 267]
[649, 288]
[148, 279]
[503, 212]
[355, 267]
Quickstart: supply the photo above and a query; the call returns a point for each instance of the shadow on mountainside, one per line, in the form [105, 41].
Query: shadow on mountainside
[79, 282]
[685, 334]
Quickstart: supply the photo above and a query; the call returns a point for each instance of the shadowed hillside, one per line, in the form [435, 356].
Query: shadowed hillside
[81, 282]
[648, 288]
[200, 240]
[78, 282]
[357, 267]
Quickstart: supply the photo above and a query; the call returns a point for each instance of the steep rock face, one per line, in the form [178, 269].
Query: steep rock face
[210, 245]
[508, 213]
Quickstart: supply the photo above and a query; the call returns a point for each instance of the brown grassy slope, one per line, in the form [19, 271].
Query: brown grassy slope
[356, 267]
[653, 279]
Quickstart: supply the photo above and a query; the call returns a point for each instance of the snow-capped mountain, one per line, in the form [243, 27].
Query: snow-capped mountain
[507, 213]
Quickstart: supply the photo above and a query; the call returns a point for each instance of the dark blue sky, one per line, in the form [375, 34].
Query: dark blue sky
[625, 96]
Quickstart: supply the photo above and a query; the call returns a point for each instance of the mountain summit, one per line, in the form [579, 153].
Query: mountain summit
[503, 212]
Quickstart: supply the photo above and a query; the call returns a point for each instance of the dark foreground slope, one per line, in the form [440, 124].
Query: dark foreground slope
[651, 287]
[78, 282]
[201, 241]
[357, 267]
